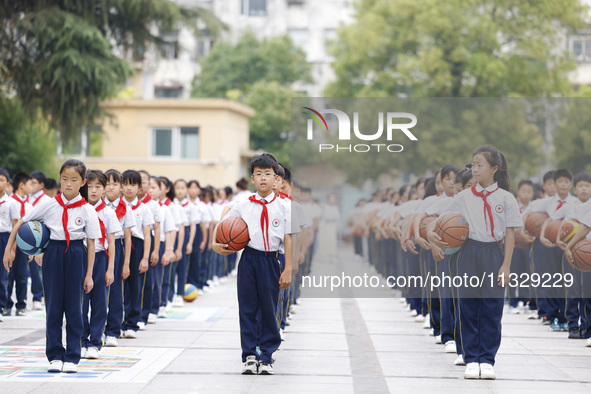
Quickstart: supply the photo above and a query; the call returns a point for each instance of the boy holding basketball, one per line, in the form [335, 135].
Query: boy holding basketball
[259, 271]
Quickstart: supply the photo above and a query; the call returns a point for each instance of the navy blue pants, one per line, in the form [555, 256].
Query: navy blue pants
[555, 296]
[540, 266]
[182, 266]
[258, 291]
[148, 293]
[157, 280]
[63, 280]
[133, 287]
[204, 262]
[519, 266]
[166, 274]
[414, 289]
[453, 269]
[17, 278]
[36, 283]
[3, 272]
[96, 300]
[115, 310]
[195, 261]
[481, 308]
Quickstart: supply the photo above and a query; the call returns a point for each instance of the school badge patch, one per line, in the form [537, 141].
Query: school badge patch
[499, 209]
[78, 221]
[275, 223]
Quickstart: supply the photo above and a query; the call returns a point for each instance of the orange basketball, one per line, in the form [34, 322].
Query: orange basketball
[582, 256]
[534, 223]
[552, 230]
[423, 226]
[233, 232]
[453, 229]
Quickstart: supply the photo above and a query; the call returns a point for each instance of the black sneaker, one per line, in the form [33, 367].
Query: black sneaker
[21, 312]
[574, 333]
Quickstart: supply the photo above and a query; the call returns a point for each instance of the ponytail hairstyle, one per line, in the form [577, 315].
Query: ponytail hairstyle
[430, 187]
[496, 158]
[168, 184]
[81, 168]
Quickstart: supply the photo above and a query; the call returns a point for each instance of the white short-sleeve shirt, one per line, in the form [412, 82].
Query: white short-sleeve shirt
[7, 214]
[37, 198]
[167, 225]
[112, 226]
[142, 215]
[127, 220]
[439, 206]
[16, 205]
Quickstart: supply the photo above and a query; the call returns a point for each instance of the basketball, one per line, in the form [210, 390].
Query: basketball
[534, 223]
[234, 233]
[453, 229]
[32, 238]
[552, 230]
[358, 232]
[569, 229]
[423, 226]
[582, 256]
[191, 293]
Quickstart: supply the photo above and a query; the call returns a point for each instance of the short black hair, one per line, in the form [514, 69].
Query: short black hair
[287, 176]
[563, 173]
[449, 169]
[430, 189]
[581, 177]
[39, 176]
[20, 177]
[113, 174]
[194, 182]
[132, 177]
[525, 182]
[50, 184]
[5, 173]
[100, 176]
[548, 175]
[228, 190]
[280, 171]
[242, 184]
[168, 184]
[265, 160]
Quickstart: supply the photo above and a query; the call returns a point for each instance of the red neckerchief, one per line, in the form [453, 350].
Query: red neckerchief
[284, 195]
[102, 206]
[60, 200]
[134, 207]
[121, 208]
[264, 218]
[560, 204]
[487, 208]
[166, 202]
[38, 198]
[185, 204]
[147, 199]
[22, 202]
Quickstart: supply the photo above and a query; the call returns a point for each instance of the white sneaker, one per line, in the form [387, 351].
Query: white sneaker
[282, 334]
[162, 312]
[431, 332]
[292, 309]
[141, 325]
[92, 353]
[209, 283]
[70, 368]
[1, 320]
[438, 339]
[514, 310]
[152, 318]
[532, 314]
[251, 366]
[419, 319]
[407, 308]
[402, 301]
[460, 360]
[265, 369]
[83, 352]
[588, 342]
[111, 342]
[178, 302]
[487, 372]
[206, 289]
[37, 306]
[223, 280]
[413, 313]
[450, 346]
[472, 371]
[129, 334]
[55, 366]
[168, 306]
[216, 281]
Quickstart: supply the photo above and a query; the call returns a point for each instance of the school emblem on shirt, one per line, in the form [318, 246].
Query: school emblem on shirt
[275, 223]
[3, 212]
[137, 215]
[499, 208]
[78, 221]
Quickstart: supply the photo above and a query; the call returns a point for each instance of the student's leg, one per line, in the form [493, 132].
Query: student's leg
[3, 272]
[194, 261]
[203, 264]
[21, 275]
[248, 303]
[182, 266]
[148, 294]
[166, 274]
[135, 284]
[453, 267]
[115, 310]
[267, 274]
[539, 257]
[85, 318]
[573, 295]
[469, 304]
[36, 284]
[74, 272]
[157, 280]
[99, 296]
[446, 302]
[53, 284]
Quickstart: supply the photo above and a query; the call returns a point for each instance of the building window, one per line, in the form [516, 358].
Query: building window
[254, 7]
[580, 46]
[161, 91]
[203, 44]
[175, 142]
[300, 38]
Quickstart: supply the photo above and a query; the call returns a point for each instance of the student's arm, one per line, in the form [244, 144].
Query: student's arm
[222, 248]
[558, 241]
[192, 232]
[579, 235]
[422, 242]
[285, 278]
[225, 212]
[505, 271]
[204, 236]
[213, 225]
[127, 239]
[109, 275]
[545, 241]
[11, 244]
[144, 265]
[88, 283]
[168, 255]
[180, 239]
[433, 238]
[156, 253]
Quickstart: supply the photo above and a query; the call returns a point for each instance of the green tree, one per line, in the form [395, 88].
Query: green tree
[572, 138]
[65, 57]
[469, 48]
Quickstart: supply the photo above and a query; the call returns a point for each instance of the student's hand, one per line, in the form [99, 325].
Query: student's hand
[568, 255]
[410, 245]
[30, 258]
[39, 260]
[301, 259]
[178, 254]
[221, 249]
[109, 278]
[285, 279]
[438, 254]
[435, 239]
[143, 265]
[546, 242]
[125, 272]
[202, 246]
[88, 284]
[167, 257]
[561, 244]
[8, 259]
[378, 236]
[210, 246]
[422, 242]
[154, 258]
[527, 237]
[295, 270]
[403, 245]
[503, 277]
[189, 248]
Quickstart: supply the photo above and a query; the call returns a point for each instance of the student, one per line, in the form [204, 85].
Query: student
[259, 274]
[133, 286]
[6, 218]
[50, 188]
[67, 265]
[37, 196]
[103, 270]
[196, 273]
[191, 218]
[242, 192]
[122, 256]
[18, 276]
[492, 214]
